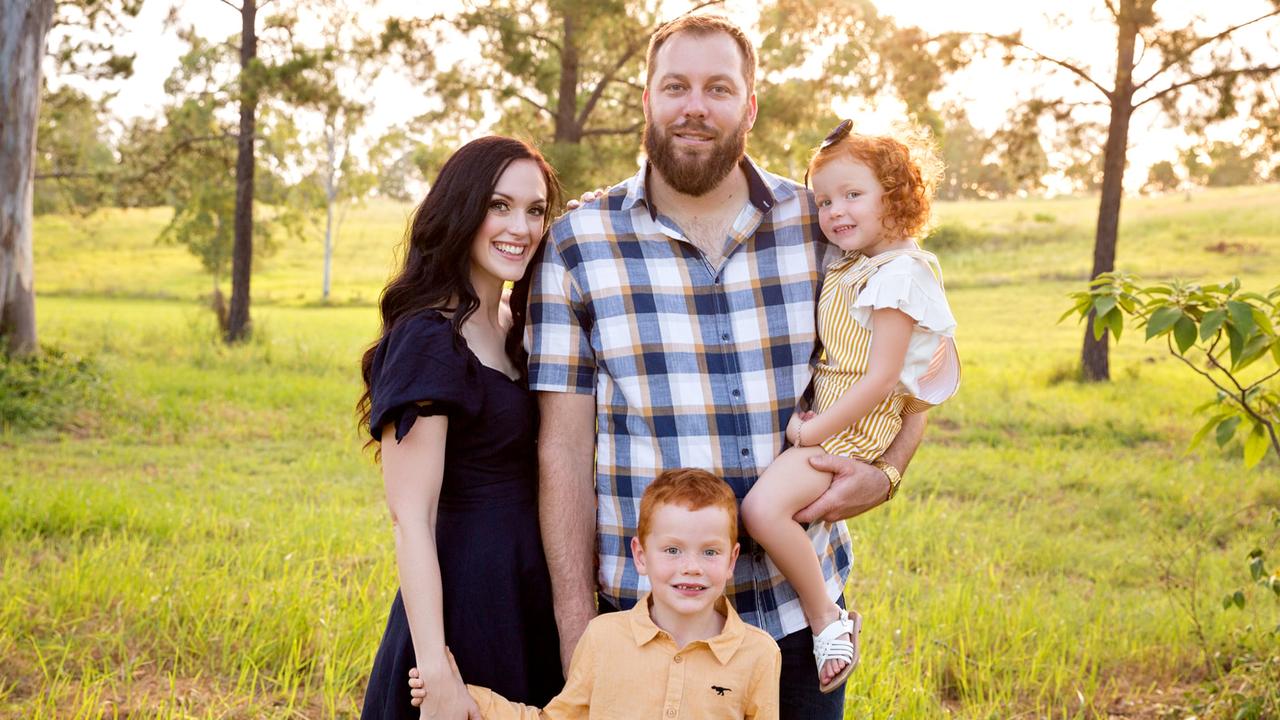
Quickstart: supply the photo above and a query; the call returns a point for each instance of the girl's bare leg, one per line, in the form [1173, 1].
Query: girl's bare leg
[788, 485]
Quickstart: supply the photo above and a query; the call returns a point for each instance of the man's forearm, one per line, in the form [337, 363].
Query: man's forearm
[904, 446]
[567, 503]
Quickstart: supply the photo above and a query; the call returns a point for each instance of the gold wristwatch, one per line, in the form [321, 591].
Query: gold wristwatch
[891, 472]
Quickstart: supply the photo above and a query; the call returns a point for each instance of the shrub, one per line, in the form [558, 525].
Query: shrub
[50, 389]
[955, 236]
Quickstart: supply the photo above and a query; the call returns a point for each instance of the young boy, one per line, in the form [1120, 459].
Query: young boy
[682, 651]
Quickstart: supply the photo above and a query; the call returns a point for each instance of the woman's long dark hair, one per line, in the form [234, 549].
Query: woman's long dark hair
[436, 272]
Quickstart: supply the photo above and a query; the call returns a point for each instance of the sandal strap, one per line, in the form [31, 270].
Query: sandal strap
[829, 644]
[842, 625]
[834, 650]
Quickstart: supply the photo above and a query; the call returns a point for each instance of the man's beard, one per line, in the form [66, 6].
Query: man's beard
[692, 175]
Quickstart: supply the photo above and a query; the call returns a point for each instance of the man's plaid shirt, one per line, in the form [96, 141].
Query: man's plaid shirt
[691, 365]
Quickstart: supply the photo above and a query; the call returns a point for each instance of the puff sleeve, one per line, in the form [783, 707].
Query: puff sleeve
[906, 284]
[422, 367]
[931, 368]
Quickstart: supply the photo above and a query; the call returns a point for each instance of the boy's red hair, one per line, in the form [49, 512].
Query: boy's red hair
[689, 488]
[909, 171]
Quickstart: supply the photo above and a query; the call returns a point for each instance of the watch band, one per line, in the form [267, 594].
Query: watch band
[891, 472]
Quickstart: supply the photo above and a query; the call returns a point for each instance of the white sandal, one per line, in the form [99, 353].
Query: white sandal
[828, 645]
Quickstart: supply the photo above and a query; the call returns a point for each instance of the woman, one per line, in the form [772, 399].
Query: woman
[445, 396]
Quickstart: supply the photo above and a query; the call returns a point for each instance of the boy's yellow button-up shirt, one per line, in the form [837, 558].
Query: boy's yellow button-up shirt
[625, 666]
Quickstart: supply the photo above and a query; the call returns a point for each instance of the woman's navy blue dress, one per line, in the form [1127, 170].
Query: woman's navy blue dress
[498, 618]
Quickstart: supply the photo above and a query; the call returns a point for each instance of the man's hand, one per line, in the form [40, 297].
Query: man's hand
[586, 197]
[856, 487]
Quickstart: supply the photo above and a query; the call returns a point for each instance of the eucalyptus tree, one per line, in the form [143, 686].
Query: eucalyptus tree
[350, 59]
[24, 33]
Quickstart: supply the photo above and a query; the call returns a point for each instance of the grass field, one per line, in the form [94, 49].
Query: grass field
[206, 538]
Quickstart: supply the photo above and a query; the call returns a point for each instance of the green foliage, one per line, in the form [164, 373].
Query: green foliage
[1162, 177]
[85, 45]
[1230, 165]
[49, 389]
[1247, 689]
[73, 157]
[405, 162]
[992, 165]
[533, 51]
[1031, 597]
[530, 53]
[1218, 331]
[197, 172]
[956, 236]
[1221, 164]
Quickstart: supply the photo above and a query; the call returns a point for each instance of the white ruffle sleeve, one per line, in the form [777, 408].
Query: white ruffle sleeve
[931, 370]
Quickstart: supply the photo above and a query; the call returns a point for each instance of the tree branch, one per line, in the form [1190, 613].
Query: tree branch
[168, 158]
[534, 103]
[232, 5]
[614, 131]
[1203, 42]
[1256, 70]
[1010, 41]
[1242, 400]
[1207, 376]
[1262, 380]
[690, 11]
[498, 19]
[1111, 5]
[598, 90]
[642, 40]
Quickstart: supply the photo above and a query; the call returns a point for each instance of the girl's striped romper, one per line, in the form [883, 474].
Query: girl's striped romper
[854, 286]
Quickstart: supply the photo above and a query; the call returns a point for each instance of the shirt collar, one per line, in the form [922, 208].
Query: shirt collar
[723, 646]
[764, 189]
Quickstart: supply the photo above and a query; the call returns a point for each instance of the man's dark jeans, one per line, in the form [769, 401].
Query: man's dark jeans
[799, 697]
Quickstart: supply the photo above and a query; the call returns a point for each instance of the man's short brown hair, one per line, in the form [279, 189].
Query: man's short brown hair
[692, 489]
[702, 24]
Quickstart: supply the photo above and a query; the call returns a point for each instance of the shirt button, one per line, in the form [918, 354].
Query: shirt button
[745, 452]
[725, 337]
[679, 659]
[671, 712]
[737, 393]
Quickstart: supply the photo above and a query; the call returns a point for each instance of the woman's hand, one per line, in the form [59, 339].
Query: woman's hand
[798, 418]
[448, 699]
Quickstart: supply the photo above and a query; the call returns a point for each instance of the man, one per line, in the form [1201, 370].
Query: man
[672, 325]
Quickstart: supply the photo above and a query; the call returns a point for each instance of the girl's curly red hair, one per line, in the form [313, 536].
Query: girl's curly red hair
[908, 168]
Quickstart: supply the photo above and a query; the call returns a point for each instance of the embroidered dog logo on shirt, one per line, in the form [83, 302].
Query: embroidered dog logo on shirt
[721, 690]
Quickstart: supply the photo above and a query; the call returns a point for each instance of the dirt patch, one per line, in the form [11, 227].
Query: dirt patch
[1223, 247]
[1141, 694]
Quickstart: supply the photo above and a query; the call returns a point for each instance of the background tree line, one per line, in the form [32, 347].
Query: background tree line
[259, 134]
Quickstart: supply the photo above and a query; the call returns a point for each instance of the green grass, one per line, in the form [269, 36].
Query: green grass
[208, 539]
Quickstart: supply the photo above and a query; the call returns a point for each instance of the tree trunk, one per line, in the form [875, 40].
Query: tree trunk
[330, 195]
[567, 128]
[242, 252]
[1094, 356]
[24, 24]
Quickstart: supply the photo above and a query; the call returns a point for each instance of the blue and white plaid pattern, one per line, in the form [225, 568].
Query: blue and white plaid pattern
[691, 365]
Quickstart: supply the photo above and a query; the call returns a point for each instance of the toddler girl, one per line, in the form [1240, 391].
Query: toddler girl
[888, 349]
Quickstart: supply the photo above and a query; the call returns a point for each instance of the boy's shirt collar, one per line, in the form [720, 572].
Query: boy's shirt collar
[723, 645]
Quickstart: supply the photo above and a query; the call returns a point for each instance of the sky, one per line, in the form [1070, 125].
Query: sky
[1088, 38]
